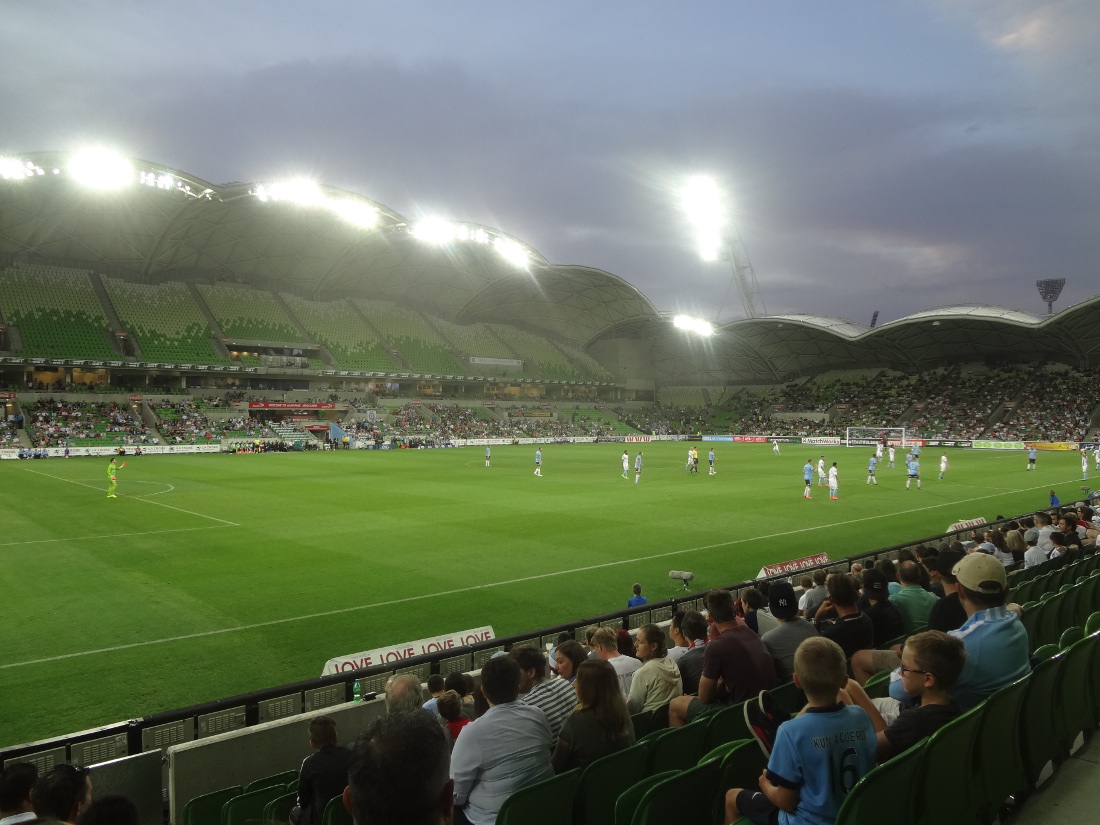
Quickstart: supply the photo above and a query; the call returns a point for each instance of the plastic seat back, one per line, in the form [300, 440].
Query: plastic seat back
[949, 788]
[642, 722]
[742, 766]
[278, 809]
[790, 697]
[1049, 629]
[1039, 719]
[688, 796]
[726, 725]
[249, 806]
[268, 781]
[1088, 600]
[887, 793]
[629, 800]
[1077, 690]
[549, 802]
[1070, 636]
[1068, 607]
[679, 748]
[604, 780]
[335, 813]
[207, 809]
[878, 686]
[1092, 624]
[1030, 620]
[998, 753]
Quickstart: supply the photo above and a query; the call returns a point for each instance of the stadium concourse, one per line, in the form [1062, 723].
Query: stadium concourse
[144, 307]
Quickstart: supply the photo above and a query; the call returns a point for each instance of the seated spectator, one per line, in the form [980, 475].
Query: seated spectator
[506, 749]
[637, 600]
[404, 693]
[755, 616]
[399, 772]
[657, 682]
[691, 663]
[805, 585]
[789, 633]
[624, 642]
[736, 665]
[436, 685]
[680, 643]
[603, 640]
[16, 783]
[463, 685]
[112, 809]
[818, 594]
[912, 601]
[885, 617]
[890, 571]
[852, 629]
[449, 704]
[323, 775]
[62, 794]
[948, 613]
[601, 723]
[1034, 555]
[554, 697]
[568, 658]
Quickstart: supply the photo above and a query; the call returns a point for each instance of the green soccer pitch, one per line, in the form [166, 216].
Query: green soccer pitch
[213, 575]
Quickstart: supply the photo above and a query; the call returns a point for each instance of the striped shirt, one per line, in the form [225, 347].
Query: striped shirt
[556, 698]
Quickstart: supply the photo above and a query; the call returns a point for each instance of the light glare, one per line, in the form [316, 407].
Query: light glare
[101, 169]
[511, 251]
[435, 230]
[690, 324]
[702, 203]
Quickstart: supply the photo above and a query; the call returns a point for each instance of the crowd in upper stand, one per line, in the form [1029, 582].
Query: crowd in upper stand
[53, 423]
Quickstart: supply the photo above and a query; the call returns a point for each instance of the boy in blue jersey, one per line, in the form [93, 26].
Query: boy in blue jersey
[912, 467]
[871, 470]
[807, 476]
[818, 756]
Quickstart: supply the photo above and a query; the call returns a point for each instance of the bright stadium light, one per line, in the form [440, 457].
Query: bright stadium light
[512, 252]
[355, 213]
[436, 230]
[303, 192]
[101, 169]
[15, 169]
[690, 324]
[702, 203]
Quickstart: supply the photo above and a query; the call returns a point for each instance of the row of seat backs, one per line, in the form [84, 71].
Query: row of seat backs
[268, 799]
[1053, 580]
[1072, 605]
[965, 771]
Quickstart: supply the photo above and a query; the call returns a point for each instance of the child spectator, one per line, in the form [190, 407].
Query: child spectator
[804, 778]
[449, 705]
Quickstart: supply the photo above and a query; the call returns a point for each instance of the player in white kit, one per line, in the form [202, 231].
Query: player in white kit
[891, 462]
[626, 462]
[834, 482]
[821, 472]
[943, 464]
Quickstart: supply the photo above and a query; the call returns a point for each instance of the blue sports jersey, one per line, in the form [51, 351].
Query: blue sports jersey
[1031, 454]
[538, 456]
[822, 754]
[871, 464]
[808, 471]
[913, 467]
[638, 463]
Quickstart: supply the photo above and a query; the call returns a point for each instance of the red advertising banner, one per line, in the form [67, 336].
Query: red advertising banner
[7, 395]
[750, 439]
[291, 405]
[137, 397]
[795, 565]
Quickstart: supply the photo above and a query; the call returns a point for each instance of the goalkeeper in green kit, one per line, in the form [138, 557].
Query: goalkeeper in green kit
[112, 478]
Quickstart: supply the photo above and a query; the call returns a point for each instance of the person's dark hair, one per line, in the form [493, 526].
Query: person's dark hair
[564, 637]
[599, 694]
[946, 563]
[694, 625]
[400, 769]
[906, 554]
[887, 568]
[753, 599]
[500, 680]
[589, 632]
[819, 576]
[449, 705]
[957, 547]
[435, 683]
[763, 586]
[112, 809]
[997, 539]
[806, 582]
[655, 636]
[984, 601]
[637, 588]
[322, 731]
[677, 619]
[574, 652]
[16, 783]
[1057, 538]
[842, 590]
[60, 792]
[1027, 522]
[530, 658]
[624, 643]
[939, 654]
[909, 572]
[720, 606]
[458, 682]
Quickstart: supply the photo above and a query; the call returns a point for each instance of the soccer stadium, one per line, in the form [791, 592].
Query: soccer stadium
[350, 451]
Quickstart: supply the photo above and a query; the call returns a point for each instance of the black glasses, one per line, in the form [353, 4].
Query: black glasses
[905, 669]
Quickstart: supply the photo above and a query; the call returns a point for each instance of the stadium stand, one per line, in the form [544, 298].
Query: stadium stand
[413, 335]
[474, 340]
[57, 312]
[336, 325]
[81, 424]
[165, 320]
[247, 313]
[541, 357]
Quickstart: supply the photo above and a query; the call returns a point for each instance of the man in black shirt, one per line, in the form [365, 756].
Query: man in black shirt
[323, 775]
[852, 630]
[948, 613]
[884, 615]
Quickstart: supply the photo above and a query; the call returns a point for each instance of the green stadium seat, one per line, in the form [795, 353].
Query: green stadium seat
[642, 722]
[280, 779]
[207, 809]
[549, 802]
[790, 697]
[278, 809]
[1040, 720]
[604, 780]
[1088, 600]
[726, 725]
[1044, 652]
[741, 766]
[997, 754]
[248, 808]
[335, 813]
[679, 748]
[950, 790]
[1076, 700]
[1070, 635]
[888, 793]
[1092, 624]
[878, 686]
[626, 805]
[688, 796]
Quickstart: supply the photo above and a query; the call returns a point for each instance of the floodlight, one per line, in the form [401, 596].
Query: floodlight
[511, 251]
[696, 325]
[702, 203]
[355, 212]
[304, 192]
[435, 230]
[101, 169]
[1049, 290]
[14, 169]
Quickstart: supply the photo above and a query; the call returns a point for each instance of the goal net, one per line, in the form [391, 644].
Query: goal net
[873, 436]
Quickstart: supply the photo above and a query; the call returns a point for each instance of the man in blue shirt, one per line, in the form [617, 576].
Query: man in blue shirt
[710, 458]
[488, 455]
[1031, 453]
[638, 468]
[807, 476]
[538, 461]
[871, 464]
[912, 467]
[637, 600]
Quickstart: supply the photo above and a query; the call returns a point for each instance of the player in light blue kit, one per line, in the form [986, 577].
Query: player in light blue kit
[488, 455]
[1031, 453]
[710, 458]
[912, 467]
[538, 462]
[808, 477]
[638, 468]
[871, 470]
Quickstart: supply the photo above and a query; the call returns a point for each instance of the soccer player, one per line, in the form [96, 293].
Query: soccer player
[871, 464]
[878, 448]
[821, 472]
[1084, 465]
[112, 477]
[626, 462]
[912, 467]
[943, 464]
[488, 454]
[775, 446]
[710, 458]
[1096, 456]
[687, 467]
[834, 482]
[915, 450]
[892, 452]
[808, 477]
[538, 461]
[695, 459]
[1031, 453]
[638, 467]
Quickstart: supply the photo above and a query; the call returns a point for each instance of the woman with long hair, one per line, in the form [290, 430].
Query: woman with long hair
[567, 658]
[601, 723]
[657, 682]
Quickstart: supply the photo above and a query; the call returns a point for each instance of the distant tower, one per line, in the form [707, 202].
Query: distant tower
[874, 319]
[1049, 290]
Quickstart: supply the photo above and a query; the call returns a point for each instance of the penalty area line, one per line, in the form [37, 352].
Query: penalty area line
[111, 536]
[488, 585]
[138, 498]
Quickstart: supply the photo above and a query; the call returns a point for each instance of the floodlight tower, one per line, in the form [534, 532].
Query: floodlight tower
[702, 202]
[1049, 290]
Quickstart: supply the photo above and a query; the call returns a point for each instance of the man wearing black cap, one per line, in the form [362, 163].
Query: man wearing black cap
[783, 641]
[885, 616]
[948, 613]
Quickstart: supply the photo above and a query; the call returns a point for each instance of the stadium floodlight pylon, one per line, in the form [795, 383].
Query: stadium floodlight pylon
[869, 436]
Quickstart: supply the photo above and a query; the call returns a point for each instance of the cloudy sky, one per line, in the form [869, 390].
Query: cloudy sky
[877, 155]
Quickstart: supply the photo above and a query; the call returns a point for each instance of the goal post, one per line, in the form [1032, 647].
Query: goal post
[873, 436]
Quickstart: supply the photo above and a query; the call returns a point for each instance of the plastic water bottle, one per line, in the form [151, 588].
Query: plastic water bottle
[357, 692]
